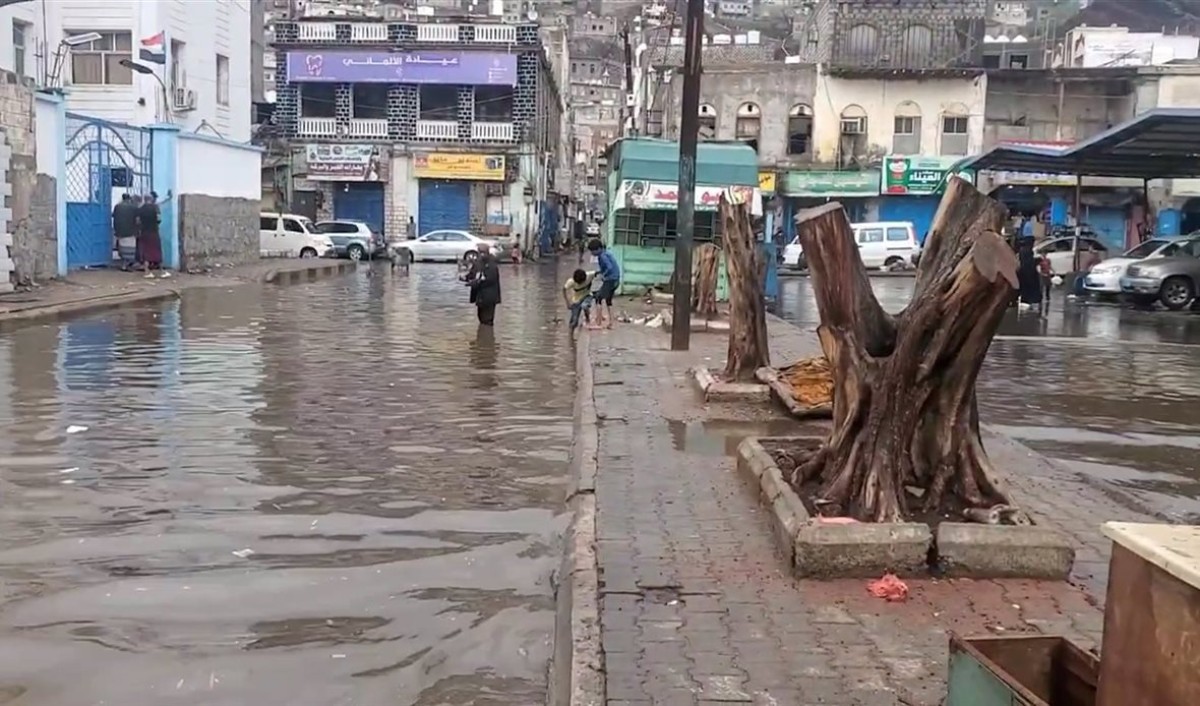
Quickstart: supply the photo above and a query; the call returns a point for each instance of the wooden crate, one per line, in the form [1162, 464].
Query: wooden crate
[1031, 670]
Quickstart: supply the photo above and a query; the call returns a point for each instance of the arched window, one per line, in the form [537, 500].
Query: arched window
[800, 129]
[906, 129]
[708, 122]
[917, 46]
[956, 125]
[749, 124]
[862, 44]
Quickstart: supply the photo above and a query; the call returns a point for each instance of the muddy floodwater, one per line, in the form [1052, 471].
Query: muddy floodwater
[341, 492]
[1110, 392]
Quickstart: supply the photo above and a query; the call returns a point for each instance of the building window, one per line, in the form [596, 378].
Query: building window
[21, 32]
[98, 63]
[749, 124]
[918, 46]
[862, 44]
[954, 134]
[370, 101]
[222, 80]
[178, 64]
[317, 100]
[708, 122]
[494, 104]
[438, 102]
[799, 130]
[906, 129]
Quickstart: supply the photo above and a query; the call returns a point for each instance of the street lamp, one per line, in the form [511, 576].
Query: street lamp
[147, 71]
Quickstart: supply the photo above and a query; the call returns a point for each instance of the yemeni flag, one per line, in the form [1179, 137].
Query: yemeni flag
[154, 49]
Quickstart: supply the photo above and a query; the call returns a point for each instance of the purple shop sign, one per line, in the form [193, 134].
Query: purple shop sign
[467, 68]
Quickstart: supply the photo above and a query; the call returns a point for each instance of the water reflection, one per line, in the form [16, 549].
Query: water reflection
[340, 492]
[1109, 391]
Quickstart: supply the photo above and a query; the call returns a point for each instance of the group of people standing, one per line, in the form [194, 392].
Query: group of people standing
[135, 222]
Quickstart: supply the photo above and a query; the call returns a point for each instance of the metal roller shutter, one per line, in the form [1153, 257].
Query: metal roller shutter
[443, 205]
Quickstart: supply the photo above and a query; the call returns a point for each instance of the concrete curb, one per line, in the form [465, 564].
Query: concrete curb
[715, 390]
[315, 271]
[815, 550]
[577, 676]
[114, 300]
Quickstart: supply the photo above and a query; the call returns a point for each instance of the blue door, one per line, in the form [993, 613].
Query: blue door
[918, 210]
[443, 205]
[1109, 224]
[359, 201]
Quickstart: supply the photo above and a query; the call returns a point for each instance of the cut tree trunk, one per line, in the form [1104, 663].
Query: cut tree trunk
[748, 347]
[704, 285]
[904, 410]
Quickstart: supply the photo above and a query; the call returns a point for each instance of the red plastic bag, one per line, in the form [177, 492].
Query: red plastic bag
[889, 588]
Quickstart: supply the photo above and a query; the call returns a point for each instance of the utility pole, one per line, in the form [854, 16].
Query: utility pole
[627, 110]
[689, 129]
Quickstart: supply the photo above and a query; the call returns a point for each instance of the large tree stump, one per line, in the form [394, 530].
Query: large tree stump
[704, 280]
[904, 410]
[748, 348]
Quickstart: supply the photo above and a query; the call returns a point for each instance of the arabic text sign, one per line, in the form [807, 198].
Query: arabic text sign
[650, 196]
[766, 182]
[468, 68]
[341, 162]
[445, 165]
[922, 176]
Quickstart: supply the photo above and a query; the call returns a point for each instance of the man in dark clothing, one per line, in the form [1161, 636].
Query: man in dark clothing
[124, 222]
[484, 281]
[149, 244]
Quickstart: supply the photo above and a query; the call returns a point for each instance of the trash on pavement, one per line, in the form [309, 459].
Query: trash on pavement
[890, 588]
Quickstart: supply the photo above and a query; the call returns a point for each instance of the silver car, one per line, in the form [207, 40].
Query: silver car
[1173, 281]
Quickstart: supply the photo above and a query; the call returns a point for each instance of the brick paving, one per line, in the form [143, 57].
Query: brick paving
[695, 605]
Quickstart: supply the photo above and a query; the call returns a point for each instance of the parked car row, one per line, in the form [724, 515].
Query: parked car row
[291, 235]
[1160, 270]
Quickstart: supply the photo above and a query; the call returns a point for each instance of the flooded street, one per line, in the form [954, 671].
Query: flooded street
[340, 492]
[1110, 392]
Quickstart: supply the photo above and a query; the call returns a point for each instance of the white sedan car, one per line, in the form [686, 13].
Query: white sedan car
[1105, 277]
[447, 246]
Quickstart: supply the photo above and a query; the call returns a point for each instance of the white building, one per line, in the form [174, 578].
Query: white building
[204, 86]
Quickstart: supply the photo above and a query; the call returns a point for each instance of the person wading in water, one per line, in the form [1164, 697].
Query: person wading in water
[484, 280]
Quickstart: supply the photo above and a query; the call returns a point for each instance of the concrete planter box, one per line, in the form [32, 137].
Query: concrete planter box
[715, 390]
[816, 550]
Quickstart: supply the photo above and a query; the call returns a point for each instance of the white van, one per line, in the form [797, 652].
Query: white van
[290, 235]
[880, 244]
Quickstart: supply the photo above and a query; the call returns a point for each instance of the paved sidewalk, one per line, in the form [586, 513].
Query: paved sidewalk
[695, 605]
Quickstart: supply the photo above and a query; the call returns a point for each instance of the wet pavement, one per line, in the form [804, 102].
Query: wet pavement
[331, 493]
[1111, 392]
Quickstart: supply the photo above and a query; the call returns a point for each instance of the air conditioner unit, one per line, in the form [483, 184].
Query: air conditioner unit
[854, 126]
[183, 99]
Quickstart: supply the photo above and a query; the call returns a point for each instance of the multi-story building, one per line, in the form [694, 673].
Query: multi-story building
[138, 62]
[453, 124]
[899, 99]
[597, 95]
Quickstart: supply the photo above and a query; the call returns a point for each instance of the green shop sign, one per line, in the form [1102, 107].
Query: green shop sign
[862, 184]
[919, 176]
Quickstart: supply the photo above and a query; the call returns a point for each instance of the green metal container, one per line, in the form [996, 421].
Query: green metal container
[1021, 671]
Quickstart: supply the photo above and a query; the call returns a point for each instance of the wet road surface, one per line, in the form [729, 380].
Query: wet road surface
[332, 493]
[1110, 392]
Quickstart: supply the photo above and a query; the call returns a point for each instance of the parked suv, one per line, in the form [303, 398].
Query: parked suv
[290, 235]
[352, 239]
[1173, 280]
[880, 245]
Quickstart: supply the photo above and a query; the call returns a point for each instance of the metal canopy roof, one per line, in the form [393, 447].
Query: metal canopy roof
[1163, 143]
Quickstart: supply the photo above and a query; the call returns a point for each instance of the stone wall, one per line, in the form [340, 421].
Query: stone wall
[216, 231]
[29, 246]
[929, 34]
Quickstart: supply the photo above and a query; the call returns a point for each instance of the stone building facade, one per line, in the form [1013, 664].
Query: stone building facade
[885, 34]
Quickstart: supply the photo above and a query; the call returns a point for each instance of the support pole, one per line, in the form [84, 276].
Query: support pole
[1078, 223]
[689, 129]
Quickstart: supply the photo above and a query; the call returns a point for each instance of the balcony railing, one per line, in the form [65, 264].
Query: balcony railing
[372, 32]
[437, 129]
[499, 132]
[437, 33]
[368, 127]
[496, 34]
[317, 32]
[316, 127]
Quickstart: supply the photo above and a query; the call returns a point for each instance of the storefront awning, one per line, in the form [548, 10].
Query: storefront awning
[1163, 143]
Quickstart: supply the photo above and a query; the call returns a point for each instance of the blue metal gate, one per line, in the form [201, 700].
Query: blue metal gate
[356, 201]
[443, 205]
[104, 161]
